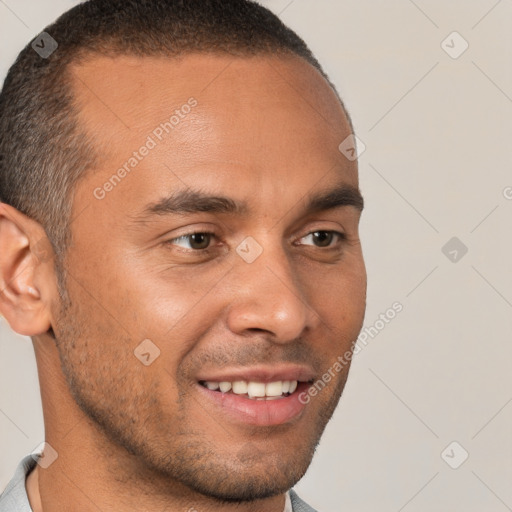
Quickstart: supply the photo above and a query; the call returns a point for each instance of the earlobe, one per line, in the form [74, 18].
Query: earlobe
[24, 273]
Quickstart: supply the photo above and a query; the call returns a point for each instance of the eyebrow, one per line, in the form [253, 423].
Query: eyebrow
[195, 201]
[344, 195]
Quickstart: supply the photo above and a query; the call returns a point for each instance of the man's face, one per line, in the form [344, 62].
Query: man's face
[269, 289]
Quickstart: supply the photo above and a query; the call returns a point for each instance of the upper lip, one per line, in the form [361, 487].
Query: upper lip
[263, 373]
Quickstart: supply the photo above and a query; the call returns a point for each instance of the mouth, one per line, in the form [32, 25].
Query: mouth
[263, 397]
[253, 390]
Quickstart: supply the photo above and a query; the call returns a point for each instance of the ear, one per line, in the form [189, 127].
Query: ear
[26, 273]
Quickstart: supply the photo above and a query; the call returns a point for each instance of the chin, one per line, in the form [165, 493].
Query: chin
[238, 487]
[249, 474]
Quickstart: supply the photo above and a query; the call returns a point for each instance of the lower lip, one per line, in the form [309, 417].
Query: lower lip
[257, 412]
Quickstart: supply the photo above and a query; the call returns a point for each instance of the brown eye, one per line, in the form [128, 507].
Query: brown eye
[322, 238]
[200, 240]
[194, 241]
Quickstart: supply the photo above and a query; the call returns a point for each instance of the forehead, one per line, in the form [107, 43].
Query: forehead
[267, 121]
[131, 78]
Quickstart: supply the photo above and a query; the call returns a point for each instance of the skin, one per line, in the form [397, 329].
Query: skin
[132, 437]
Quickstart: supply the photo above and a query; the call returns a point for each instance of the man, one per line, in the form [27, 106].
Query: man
[179, 236]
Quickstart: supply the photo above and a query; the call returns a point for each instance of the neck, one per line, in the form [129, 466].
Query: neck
[32, 485]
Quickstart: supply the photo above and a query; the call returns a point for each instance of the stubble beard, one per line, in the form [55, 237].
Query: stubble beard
[184, 457]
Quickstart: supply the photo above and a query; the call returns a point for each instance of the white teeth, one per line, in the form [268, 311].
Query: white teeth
[255, 389]
[225, 386]
[274, 388]
[240, 387]
[258, 390]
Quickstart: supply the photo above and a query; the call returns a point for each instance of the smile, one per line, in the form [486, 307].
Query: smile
[254, 390]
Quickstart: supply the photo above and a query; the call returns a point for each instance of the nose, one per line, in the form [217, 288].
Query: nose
[268, 296]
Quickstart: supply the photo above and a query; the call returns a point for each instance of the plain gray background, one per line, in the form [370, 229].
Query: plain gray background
[436, 125]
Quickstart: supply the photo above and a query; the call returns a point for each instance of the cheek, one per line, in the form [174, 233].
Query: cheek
[104, 369]
[114, 313]
[153, 302]
[353, 296]
[339, 296]
[174, 313]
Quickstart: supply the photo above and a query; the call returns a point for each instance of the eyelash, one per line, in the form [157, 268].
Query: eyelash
[341, 237]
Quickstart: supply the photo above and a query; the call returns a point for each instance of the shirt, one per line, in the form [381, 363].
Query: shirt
[15, 498]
